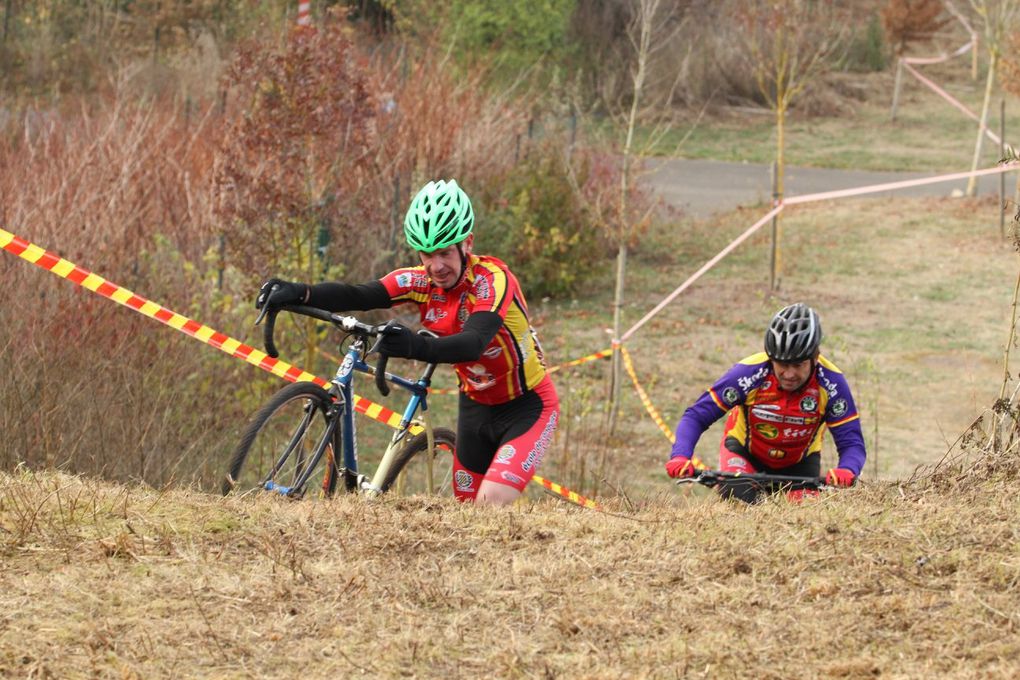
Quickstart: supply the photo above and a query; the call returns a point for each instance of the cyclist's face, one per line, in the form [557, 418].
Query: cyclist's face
[444, 266]
[792, 374]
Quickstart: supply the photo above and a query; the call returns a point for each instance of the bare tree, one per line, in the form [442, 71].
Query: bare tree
[654, 75]
[789, 44]
[997, 18]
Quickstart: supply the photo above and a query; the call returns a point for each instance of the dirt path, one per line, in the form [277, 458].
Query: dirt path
[702, 187]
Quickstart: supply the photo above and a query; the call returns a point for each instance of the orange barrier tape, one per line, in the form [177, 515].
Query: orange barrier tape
[604, 354]
[652, 411]
[566, 493]
[809, 198]
[953, 101]
[97, 284]
[63, 268]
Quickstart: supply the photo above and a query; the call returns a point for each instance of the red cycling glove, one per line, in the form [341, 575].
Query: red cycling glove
[679, 467]
[840, 477]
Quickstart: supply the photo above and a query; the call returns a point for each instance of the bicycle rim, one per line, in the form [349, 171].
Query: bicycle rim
[277, 450]
[414, 472]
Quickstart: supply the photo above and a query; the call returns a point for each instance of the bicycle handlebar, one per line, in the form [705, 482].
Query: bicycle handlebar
[347, 323]
[711, 478]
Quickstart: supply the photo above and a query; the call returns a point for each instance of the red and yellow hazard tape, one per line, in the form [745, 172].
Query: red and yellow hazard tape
[645, 400]
[604, 354]
[97, 284]
[649, 406]
[566, 493]
[235, 348]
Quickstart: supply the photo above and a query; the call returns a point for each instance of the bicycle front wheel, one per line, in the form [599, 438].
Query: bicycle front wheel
[415, 472]
[277, 449]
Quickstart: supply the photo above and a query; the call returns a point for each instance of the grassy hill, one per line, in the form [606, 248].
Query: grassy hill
[109, 581]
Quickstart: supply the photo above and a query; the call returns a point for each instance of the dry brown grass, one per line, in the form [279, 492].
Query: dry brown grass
[878, 581]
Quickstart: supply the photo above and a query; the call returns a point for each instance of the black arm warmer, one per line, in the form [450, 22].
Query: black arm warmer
[479, 330]
[346, 297]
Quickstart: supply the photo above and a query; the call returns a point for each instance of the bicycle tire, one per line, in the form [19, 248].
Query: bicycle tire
[271, 440]
[409, 473]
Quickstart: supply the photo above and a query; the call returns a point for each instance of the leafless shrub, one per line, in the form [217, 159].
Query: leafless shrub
[910, 21]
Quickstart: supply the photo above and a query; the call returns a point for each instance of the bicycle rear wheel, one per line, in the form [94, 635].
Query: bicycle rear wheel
[414, 472]
[279, 444]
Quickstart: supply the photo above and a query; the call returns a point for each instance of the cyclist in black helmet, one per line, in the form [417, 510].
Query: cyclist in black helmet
[780, 403]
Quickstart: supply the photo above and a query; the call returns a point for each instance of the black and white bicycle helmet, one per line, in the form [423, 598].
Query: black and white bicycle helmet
[794, 334]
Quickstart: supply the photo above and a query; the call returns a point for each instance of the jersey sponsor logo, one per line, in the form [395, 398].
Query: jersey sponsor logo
[760, 413]
[464, 481]
[479, 378]
[828, 384]
[434, 315]
[777, 454]
[439, 297]
[730, 396]
[462, 314]
[767, 430]
[839, 408]
[506, 454]
[483, 291]
[796, 420]
[808, 404]
[737, 464]
[748, 382]
[535, 456]
[795, 432]
[492, 352]
[404, 280]
[512, 478]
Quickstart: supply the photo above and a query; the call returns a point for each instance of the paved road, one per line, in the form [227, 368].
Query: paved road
[702, 187]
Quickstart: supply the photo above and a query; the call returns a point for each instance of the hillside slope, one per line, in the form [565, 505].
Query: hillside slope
[878, 581]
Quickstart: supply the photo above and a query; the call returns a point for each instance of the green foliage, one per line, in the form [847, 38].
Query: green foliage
[537, 225]
[517, 35]
[867, 51]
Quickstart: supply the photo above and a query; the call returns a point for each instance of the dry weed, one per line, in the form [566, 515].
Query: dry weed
[868, 582]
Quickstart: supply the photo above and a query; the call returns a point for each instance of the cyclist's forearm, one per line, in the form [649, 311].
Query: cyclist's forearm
[849, 441]
[346, 297]
[696, 419]
[468, 345]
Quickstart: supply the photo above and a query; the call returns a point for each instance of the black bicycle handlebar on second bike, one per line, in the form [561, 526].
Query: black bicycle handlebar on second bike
[712, 478]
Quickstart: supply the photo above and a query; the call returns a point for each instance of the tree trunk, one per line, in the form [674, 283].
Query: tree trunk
[993, 59]
[617, 372]
[780, 164]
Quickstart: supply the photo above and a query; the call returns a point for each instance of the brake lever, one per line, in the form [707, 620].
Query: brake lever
[380, 366]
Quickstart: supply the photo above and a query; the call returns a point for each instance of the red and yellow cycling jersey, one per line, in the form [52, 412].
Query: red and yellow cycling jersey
[513, 362]
[777, 427]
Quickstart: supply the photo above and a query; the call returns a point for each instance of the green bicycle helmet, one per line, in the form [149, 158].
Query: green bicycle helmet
[440, 215]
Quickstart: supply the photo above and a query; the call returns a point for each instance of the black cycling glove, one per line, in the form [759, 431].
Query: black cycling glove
[400, 341]
[286, 293]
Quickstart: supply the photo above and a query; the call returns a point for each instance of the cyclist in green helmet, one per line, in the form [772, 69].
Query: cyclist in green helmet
[508, 408]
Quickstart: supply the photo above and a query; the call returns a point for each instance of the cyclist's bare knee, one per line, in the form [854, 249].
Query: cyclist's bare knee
[494, 493]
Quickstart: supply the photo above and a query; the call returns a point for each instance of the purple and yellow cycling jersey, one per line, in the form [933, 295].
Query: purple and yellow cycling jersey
[777, 427]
